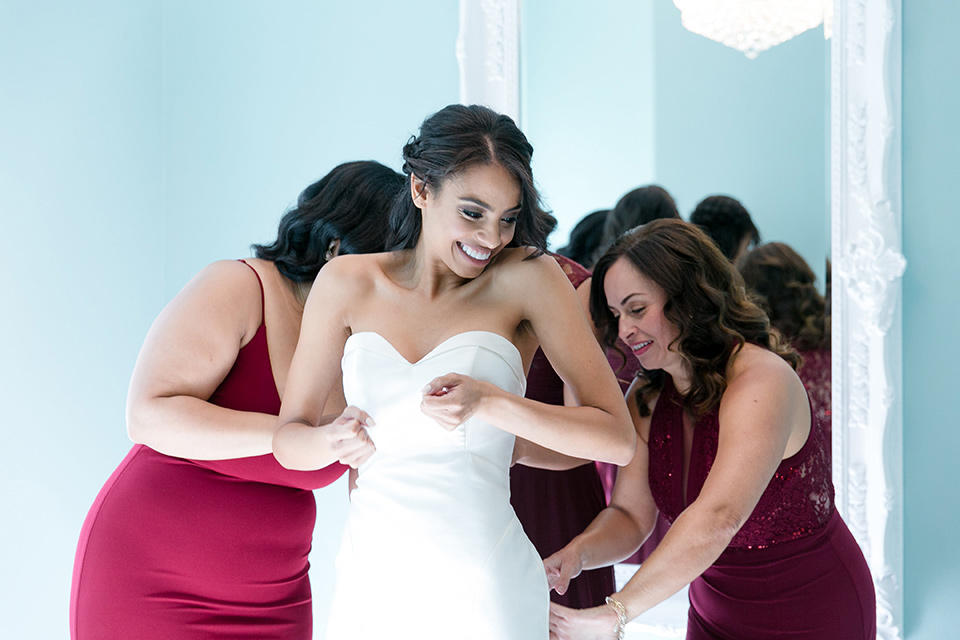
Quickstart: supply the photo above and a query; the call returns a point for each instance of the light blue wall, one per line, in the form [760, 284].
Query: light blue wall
[262, 98]
[618, 94]
[931, 308]
[80, 216]
[139, 142]
[757, 130]
[588, 102]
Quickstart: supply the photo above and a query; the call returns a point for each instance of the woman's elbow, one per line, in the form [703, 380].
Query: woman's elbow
[283, 451]
[624, 447]
[137, 424]
[725, 522]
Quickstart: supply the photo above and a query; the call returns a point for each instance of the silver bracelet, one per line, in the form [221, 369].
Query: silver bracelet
[621, 616]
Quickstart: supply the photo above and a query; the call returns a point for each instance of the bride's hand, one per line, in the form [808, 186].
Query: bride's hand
[451, 399]
[562, 567]
[348, 438]
[597, 623]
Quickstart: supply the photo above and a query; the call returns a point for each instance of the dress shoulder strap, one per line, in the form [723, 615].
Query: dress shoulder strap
[576, 272]
[259, 282]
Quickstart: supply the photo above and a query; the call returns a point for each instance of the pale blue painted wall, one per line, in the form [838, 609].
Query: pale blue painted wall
[757, 130]
[618, 94]
[80, 216]
[588, 102]
[139, 142]
[931, 308]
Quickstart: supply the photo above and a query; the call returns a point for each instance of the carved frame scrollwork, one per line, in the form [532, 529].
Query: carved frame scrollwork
[866, 303]
[488, 52]
[866, 247]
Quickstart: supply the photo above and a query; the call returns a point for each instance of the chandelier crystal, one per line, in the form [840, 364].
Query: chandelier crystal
[752, 26]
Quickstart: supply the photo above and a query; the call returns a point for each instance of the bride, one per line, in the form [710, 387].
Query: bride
[435, 338]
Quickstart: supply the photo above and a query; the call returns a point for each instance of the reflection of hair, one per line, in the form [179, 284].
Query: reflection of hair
[785, 287]
[705, 300]
[637, 207]
[585, 238]
[458, 137]
[349, 204]
[726, 221]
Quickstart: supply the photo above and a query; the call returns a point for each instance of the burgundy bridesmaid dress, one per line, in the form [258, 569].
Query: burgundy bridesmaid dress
[188, 549]
[793, 570]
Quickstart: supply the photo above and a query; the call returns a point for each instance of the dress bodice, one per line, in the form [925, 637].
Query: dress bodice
[797, 502]
[377, 379]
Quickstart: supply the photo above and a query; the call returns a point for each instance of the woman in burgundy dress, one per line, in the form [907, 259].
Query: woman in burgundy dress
[200, 533]
[786, 290]
[730, 453]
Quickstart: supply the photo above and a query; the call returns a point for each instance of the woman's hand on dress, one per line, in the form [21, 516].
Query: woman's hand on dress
[562, 567]
[451, 399]
[348, 437]
[597, 623]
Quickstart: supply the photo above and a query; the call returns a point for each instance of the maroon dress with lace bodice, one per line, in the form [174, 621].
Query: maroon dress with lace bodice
[556, 506]
[793, 570]
[190, 549]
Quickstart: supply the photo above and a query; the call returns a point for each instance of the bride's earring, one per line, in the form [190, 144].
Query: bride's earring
[333, 249]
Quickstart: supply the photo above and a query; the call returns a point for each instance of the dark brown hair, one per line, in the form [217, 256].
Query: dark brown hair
[785, 288]
[349, 204]
[705, 299]
[458, 137]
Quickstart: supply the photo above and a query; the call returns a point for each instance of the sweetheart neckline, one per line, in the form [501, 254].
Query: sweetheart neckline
[442, 343]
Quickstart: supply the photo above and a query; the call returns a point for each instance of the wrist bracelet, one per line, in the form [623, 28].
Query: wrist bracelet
[621, 616]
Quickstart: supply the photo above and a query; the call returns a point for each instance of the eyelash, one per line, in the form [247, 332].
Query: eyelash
[477, 215]
[633, 312]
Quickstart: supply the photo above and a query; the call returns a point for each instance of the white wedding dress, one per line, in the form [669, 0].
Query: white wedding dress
[432, 549]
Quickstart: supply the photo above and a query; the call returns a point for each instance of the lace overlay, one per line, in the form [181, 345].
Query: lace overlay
[815, 374]
[797, 503]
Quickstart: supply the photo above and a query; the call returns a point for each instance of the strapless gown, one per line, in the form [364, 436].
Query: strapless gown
[432, 548]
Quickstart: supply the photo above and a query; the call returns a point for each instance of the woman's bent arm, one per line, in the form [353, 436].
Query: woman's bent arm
[760, 412]
[303, 439]
[599, 428]
[188, 352]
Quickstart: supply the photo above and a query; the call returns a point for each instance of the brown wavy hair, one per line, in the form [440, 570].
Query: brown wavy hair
[785, 288]
[705, 299]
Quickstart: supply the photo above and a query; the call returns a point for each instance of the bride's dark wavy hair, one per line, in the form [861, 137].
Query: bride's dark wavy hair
[705, 299]
[350, 204]
[458, 137]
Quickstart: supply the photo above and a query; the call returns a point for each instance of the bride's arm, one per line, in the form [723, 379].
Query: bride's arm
[599, 428]
[303, 439]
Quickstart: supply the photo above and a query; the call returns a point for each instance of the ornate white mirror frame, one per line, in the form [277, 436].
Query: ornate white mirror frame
[865, 246]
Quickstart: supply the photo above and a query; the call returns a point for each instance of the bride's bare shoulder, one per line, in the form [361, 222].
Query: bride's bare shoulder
[355, 272]
[525, 268]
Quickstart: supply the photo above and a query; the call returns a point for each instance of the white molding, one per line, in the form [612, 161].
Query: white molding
[867, 269]
[488, 52]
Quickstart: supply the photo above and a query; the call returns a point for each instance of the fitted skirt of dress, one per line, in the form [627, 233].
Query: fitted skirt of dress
[814, 588]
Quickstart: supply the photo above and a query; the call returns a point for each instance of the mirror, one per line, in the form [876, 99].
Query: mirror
[619, 95]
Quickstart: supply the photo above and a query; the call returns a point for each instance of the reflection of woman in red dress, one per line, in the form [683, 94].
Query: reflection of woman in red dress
[730, 452]
[786, 290]
[200, 533]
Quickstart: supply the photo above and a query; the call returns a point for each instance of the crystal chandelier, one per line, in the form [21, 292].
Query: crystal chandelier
[752, 26]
